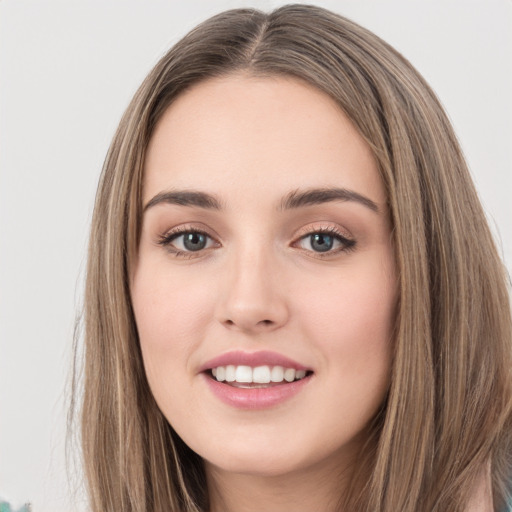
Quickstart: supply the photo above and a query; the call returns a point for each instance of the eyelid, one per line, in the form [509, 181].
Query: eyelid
[187, 227]
[336, 231]
[323, 227]
[165, 239]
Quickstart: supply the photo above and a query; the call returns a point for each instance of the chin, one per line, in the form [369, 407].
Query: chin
[259, 465]
[273, 459]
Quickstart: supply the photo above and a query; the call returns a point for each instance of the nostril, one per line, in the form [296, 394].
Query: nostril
[252, 321]
[261, 322]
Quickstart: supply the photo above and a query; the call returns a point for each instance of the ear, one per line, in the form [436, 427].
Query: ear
[481, 499]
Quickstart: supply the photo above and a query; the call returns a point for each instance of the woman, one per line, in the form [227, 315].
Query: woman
[293, 298]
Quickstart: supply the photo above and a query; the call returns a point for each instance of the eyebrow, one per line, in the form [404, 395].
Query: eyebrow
[295, 199]
[310, 197]
[185, 198]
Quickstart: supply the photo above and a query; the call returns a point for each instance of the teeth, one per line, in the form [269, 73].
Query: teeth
[243, 374]
[277, 374]
[289, 375]
[259, 374]
[221, 373]
[230, 373]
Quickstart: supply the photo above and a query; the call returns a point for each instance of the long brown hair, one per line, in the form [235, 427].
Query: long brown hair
[449, 409]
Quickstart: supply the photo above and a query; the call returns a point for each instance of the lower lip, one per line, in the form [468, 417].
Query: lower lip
[255, 398]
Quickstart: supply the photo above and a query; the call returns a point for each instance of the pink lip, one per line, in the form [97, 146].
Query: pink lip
[253, 359]
[255, 398]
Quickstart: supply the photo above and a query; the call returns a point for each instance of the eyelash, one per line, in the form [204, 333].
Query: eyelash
[347, 244]
[166, 240]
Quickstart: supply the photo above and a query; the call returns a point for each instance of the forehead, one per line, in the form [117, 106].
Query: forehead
[270, 134]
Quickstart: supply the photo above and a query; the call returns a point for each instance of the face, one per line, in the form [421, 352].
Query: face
[264, 290]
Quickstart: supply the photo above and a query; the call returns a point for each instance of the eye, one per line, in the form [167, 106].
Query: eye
[186, 242]
[325, 242]
[192, 241]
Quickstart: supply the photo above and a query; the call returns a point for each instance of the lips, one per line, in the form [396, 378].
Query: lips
[253, 359]
[255, 380]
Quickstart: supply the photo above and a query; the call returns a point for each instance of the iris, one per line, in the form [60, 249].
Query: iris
[194, 241]
[321, 242]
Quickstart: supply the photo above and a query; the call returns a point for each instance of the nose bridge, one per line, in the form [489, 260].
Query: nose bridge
[252, 298]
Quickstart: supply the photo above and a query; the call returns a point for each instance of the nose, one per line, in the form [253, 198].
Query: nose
[251, 299]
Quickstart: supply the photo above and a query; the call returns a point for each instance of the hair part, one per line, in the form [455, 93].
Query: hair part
[448, 411]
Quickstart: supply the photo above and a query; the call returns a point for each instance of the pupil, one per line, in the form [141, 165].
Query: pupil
[194, 241]
[321, 242]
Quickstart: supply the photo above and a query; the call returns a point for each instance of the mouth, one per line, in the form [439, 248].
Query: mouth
[255, 380]
[257, 377]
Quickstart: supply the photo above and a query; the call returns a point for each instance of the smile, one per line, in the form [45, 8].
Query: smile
[257, 380]
[243, 376]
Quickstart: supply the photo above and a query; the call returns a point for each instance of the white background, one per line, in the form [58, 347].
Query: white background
[67, 71]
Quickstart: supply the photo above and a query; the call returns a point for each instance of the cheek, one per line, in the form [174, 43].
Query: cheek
[172, 314]
[351, 318]
[352, 328]
[168, 306]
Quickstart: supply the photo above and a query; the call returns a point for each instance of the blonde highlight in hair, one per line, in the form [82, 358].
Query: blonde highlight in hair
[449, 408]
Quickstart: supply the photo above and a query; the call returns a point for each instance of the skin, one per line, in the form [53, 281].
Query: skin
[260, 285]
[482, 499]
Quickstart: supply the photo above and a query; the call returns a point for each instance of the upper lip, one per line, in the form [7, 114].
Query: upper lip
[265, 357]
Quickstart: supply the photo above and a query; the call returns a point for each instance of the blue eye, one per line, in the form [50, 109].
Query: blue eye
[194, 241]
[186, 241]
[321, 242]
